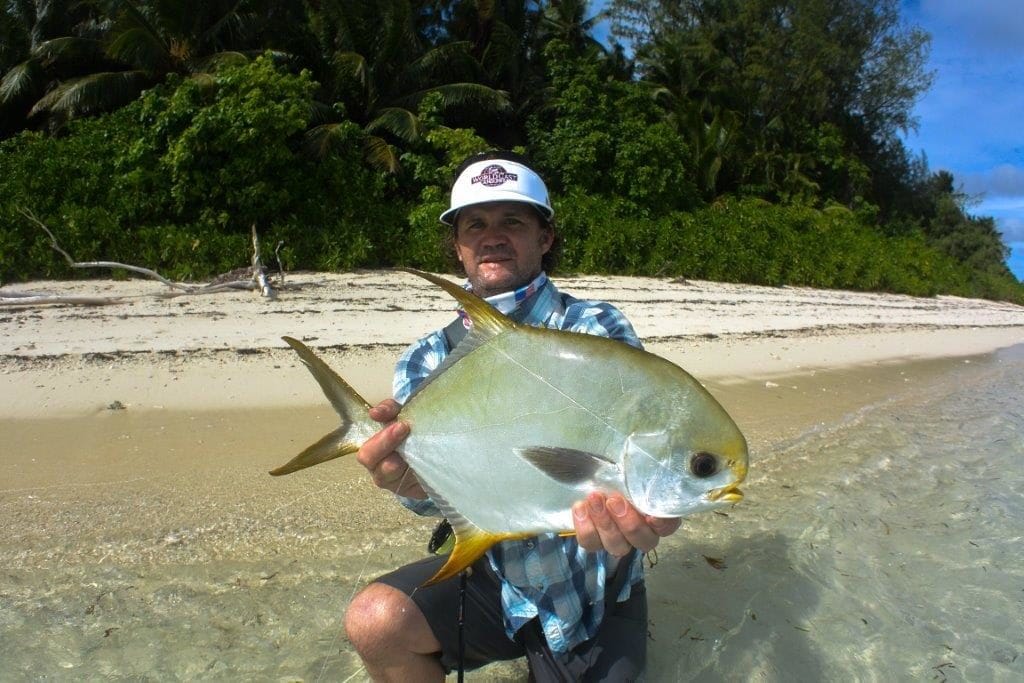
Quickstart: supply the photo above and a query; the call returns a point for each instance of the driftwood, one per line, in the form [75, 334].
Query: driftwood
[252, 278]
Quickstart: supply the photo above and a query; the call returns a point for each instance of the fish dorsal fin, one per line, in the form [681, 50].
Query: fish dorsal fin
[567, 465]
[487, 320]
[471, 542]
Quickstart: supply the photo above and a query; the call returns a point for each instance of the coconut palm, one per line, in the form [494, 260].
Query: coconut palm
[42, 43]
[102, 54]
[379, 68]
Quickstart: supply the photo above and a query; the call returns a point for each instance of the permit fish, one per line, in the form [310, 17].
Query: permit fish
[519, 423]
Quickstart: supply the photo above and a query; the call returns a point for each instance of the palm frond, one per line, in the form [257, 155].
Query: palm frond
[401, 123]
[96, 92]
[230, 19]
[220, 60]
[379, 154]
[322, 140]
[141, 49]
[320, 112]
[351, 64]
[463, 94]
[452, 59]
[20, 80]
[69, 48]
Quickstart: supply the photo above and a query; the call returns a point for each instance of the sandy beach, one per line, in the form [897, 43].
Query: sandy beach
[224, 350]
[146, 540]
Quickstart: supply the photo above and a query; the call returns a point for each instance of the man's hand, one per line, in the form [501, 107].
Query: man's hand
[610, 523]
[377, 454]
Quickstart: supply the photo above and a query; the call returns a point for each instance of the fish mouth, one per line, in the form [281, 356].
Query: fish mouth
[726, 494]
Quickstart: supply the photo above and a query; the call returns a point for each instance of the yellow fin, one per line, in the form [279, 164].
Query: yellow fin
[470, 545]
[329, 447]
[486, 318]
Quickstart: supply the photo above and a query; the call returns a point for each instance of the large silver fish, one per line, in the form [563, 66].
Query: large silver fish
[521, 422]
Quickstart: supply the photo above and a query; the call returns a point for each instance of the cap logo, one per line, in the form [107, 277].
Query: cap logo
[494, 175]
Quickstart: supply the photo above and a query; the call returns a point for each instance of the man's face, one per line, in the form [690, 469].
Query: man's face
[501, 244]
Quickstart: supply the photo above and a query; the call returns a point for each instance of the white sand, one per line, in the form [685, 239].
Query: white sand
[225, 349]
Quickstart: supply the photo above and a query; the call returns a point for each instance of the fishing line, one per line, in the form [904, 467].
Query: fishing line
[355, 587]
[337, 634]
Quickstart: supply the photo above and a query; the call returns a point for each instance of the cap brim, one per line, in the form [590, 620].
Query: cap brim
[448, 217]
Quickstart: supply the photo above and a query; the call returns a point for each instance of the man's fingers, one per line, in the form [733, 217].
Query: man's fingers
[664, 526]
[385, 411]
[382, 444]
[614, 525]
[631, 524]
[389, 472]
[611, 537]
[586, 534]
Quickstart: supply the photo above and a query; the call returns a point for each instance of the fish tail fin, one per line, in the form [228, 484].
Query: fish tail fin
[350, 406]
[332, 446]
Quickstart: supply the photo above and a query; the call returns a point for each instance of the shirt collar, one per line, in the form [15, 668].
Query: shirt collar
[507, 302]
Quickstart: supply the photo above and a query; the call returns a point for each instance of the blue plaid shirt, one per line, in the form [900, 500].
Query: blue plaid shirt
[546, 576]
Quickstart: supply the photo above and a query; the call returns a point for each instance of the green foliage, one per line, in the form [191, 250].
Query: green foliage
[755, 242]
[606, 137]
[757, 143]
[176, 180]
[432, 168]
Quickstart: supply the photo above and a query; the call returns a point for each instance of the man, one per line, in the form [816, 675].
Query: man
[574, 606]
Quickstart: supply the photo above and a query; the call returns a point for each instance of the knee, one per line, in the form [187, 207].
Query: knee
[377, 616]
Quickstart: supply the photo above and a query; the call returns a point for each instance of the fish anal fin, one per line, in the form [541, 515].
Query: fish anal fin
[329, 447]
[487, 319]
[471, 542]
[566, 465]
[470, 545]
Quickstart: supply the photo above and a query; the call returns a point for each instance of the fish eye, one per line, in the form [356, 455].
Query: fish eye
[704, 465]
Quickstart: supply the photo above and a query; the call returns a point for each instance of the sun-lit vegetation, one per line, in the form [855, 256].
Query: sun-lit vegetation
[741, 140]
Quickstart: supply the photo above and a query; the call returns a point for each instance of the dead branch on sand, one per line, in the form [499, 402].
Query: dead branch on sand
[252, 278]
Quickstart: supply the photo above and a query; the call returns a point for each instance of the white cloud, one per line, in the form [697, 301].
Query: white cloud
[1012, 229]
[993, 24]
[1005, 180]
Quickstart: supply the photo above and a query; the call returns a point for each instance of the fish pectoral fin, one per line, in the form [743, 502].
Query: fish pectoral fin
[329, 447]
[566, 465]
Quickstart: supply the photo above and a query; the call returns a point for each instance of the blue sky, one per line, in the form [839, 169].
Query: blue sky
[971, 122]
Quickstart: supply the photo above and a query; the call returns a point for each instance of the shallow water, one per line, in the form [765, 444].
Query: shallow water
[885, 546]
[881, 539]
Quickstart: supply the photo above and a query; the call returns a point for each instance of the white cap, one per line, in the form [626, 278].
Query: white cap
[497, 180]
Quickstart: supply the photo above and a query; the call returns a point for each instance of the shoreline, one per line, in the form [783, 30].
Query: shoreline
[223, 351]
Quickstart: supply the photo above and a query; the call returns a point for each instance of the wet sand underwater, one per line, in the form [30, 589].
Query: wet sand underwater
[880, 539]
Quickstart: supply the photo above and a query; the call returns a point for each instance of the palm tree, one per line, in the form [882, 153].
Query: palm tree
[682, 77]
[103, 53]
[42, 43]
[379, 68]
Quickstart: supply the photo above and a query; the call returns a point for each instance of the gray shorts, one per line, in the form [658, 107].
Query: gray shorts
[617, 653]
